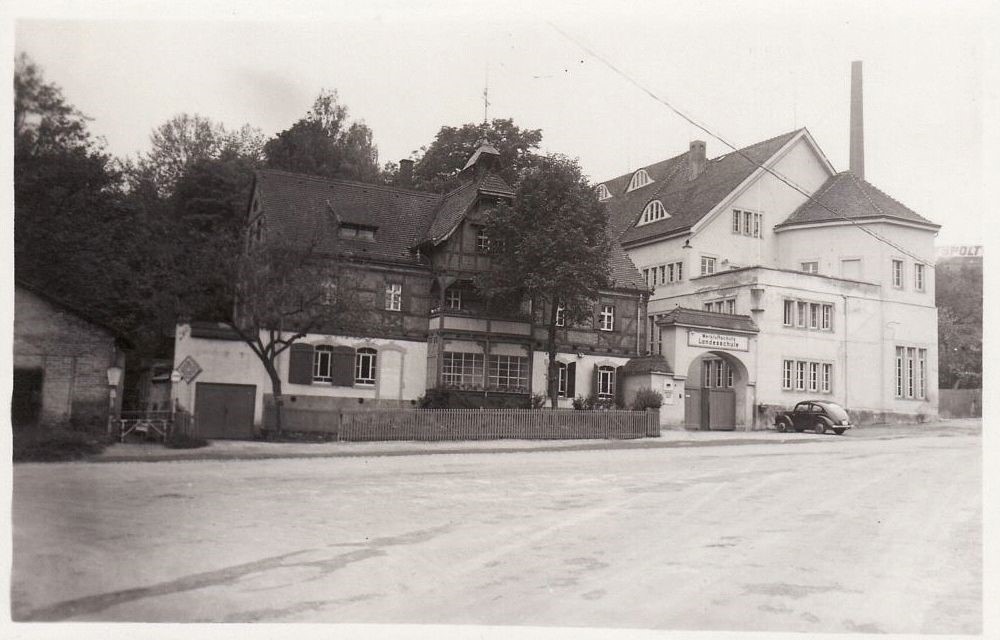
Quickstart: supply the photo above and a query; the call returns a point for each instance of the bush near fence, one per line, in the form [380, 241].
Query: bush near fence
[960, 403]
[496, 424]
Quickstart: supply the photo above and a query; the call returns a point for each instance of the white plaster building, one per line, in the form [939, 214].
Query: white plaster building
[763, 296]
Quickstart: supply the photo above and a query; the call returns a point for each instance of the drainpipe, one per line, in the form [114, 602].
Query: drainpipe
[639, 325]
[844, 298]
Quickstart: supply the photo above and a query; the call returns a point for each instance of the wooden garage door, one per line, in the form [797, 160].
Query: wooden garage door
[224, 410]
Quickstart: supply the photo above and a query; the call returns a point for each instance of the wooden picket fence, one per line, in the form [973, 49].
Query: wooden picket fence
[496, 424]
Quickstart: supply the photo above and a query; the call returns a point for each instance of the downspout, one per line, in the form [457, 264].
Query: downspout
[639, 325]
[844, 297]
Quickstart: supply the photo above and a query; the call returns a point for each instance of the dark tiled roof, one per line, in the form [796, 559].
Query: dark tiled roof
[687, 201]
[457, 202]
[697, 318]
[307, 208]
[74, 308]
[851, 197]
[647, 364]
[624, 274]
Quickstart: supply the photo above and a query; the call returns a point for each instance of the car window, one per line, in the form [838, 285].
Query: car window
[802, 406]
[815, 408]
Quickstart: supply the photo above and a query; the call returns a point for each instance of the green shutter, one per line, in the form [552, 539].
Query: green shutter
[300, 364]
[620, 386]
[594, 381]
[571, 380]
[342, 367]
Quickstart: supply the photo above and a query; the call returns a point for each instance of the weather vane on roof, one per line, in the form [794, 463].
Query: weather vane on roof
[486, 96]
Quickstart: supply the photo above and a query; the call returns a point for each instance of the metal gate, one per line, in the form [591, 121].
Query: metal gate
[224, 410]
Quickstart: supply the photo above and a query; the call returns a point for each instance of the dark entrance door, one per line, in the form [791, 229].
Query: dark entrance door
[224, 410]
[721, 409]
[26, 399]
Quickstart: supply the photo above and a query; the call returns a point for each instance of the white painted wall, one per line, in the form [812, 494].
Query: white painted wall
[584, 373]
[401, 369]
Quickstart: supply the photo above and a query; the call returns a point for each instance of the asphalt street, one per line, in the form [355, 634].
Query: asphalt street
[876, 531]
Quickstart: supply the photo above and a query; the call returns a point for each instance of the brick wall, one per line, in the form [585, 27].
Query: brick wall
[73, 355]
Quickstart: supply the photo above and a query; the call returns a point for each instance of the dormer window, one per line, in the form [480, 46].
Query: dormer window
[603, 193]
[654, 211]
[639, 179]
[351, 231]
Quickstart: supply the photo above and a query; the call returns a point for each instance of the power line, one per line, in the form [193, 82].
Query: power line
[737, 150]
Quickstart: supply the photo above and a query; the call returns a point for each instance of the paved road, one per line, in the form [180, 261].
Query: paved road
[868, 533]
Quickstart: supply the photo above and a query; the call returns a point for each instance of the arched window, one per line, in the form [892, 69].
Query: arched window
[654, 211]
[639, 179]
[602, 192]
[364, 366]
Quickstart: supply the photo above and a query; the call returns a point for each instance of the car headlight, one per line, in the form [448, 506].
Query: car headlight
[843, 422]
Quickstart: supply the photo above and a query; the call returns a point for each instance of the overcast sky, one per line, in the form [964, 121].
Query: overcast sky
[748, 70]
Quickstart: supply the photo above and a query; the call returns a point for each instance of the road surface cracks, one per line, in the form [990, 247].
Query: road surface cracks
[323, 567]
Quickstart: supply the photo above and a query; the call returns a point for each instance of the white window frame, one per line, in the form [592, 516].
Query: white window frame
[453, 298]
[394, 297]
[737, 221]
[322, 363]
[607, 318]
[802, 309]
[731, 306]
[826, 379]
[562, 377]
[826, 317]
[707, 265]
[897, 273]
[605, 382]
[788, 313]
[653, 212]
[787, 374]
[560, 316]
[507, 372]
[639, 179]
[814, 311]
[810, 266]
[365, 366]
[482, 240]
[813, 376]
[918, 277]
[603, 193]
[800, 375]
[462, 368]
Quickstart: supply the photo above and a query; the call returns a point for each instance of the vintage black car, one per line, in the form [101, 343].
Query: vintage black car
[818, 415]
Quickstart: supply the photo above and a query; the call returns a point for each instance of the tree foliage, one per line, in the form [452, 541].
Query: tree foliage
[326, 143]
[550, 246]
[959, 287]
[437, 167]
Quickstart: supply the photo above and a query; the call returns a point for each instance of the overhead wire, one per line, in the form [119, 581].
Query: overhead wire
[704, 128]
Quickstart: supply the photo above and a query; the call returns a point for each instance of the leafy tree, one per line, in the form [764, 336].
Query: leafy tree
[284, 291]
[437, 166]
[73, 234]
[959, 297]
[550, 246]
[325, 143]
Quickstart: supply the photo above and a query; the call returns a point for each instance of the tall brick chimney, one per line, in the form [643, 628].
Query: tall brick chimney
[405, 175]
[696, 159]
[857, 122]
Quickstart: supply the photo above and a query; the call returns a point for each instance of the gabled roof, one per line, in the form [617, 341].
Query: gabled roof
[456, 204]
[698, 318]
[853, 198]
[687, 201]
[75, 309]
[307, 208]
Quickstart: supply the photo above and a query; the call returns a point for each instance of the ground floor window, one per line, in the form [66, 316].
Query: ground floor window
[801, 376]
[323, 364]
[911, 372]
[717, 374]
[462, 368]
[508, 372]
[606, 382]
[364, 366]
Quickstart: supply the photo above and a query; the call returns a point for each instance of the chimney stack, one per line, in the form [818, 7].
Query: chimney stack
[405, 176]
[857, 122]
[696, 159]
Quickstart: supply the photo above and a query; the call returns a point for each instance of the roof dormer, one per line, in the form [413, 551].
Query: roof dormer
[602, 192]
[654, 211]
[639, 179]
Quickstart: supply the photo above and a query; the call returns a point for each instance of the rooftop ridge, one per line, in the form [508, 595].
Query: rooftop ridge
[357, 183]
[861, 187]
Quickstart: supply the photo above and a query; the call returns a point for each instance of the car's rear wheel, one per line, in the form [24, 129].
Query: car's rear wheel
[820, 427]
[839, 432]
[781, 426]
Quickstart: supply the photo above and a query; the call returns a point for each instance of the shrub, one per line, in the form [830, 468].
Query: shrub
[184, 441]
[538, 400]
[434, 399]
[646, 398]
[55, 444]
[592, 403]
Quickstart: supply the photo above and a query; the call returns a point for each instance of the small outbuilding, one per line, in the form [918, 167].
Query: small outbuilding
[68, 366]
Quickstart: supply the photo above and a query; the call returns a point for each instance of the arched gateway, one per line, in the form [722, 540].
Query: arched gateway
[718, 353]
